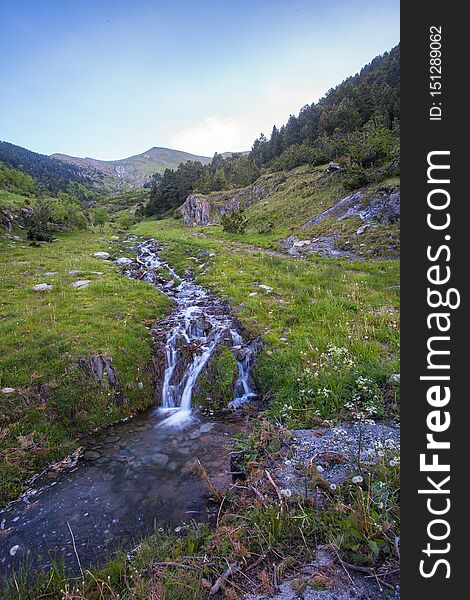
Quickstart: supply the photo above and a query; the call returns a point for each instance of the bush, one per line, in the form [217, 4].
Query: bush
[234, 222]
[355, 177]
[38, 222]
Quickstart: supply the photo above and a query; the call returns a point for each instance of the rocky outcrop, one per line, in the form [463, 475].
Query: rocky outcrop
[12, 218]
[100, 367]
[196, 211]
[383, 207]
[199, 210]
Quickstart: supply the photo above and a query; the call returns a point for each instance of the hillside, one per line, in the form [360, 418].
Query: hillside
[51, 176]
[134, 171]
[305, 210]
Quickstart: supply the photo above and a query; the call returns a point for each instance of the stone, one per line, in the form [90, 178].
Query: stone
[395, 378]
[301, 243]
[97, 272]
[103, 255]
[124, 261]
[42, 287]
[81, 283]
[74, 272]
[8, 390]
[160, 459]
[206, 427]
[266, 288]
[91, 455]
[50, 273]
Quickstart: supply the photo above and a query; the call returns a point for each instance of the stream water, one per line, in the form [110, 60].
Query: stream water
[138, 474]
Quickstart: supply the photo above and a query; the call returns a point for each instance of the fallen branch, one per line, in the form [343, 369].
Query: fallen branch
[75, 549]
[233, 568]
[181, 565]
[271, 480]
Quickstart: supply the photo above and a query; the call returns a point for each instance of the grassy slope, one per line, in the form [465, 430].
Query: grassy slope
[316, 304]
[44, 333]
[324, 302]
[301, 194]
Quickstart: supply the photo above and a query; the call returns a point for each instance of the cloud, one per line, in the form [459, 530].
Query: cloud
[214, 134]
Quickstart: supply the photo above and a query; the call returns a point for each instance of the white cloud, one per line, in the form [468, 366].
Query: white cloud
[214, 134]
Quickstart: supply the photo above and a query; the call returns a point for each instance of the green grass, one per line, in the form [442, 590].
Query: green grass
[299, 195]
[45, 333]
[12, 200]
[327, 323]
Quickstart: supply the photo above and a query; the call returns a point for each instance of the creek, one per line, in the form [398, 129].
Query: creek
[139, 474]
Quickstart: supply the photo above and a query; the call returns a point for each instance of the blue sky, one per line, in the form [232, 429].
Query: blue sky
[109, 79]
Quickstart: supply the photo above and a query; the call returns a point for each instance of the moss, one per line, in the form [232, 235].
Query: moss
[215, 384]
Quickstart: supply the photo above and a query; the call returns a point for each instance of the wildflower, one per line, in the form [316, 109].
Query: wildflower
[333, 487]
[357, 479]
[393, 463]
[380, 505]
[286, 492]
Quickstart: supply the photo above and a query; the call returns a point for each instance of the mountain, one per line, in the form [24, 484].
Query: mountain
[51, 176]
[133, 171]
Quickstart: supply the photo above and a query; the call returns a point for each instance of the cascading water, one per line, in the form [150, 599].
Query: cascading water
[137, 472]
[198, 324]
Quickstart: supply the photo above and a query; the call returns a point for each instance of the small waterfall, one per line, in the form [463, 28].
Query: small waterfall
[198, 324]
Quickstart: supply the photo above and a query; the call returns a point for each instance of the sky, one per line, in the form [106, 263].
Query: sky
[113, 78]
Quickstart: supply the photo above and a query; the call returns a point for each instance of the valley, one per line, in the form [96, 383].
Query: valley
[199, 372]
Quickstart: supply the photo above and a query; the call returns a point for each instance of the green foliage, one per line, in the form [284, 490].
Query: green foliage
[15, 181]
[234, 222]
[52, 176]
[126, 220]
[100, 217]
[215, 385]
[38, 222]
[355, 177]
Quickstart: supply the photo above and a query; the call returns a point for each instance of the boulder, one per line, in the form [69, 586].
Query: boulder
[124, 261]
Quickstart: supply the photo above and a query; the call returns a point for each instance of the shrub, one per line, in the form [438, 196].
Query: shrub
[38, 222]
[234, 222]
[355, 177]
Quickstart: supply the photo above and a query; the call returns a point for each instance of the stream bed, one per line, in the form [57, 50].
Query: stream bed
[138, 475]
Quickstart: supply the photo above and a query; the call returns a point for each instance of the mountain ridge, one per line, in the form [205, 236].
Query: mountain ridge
[134, 171]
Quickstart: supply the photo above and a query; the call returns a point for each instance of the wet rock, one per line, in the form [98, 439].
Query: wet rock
[206, 427]
[42, 287]
[91, 455]
[160, 459]
[124, 261]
